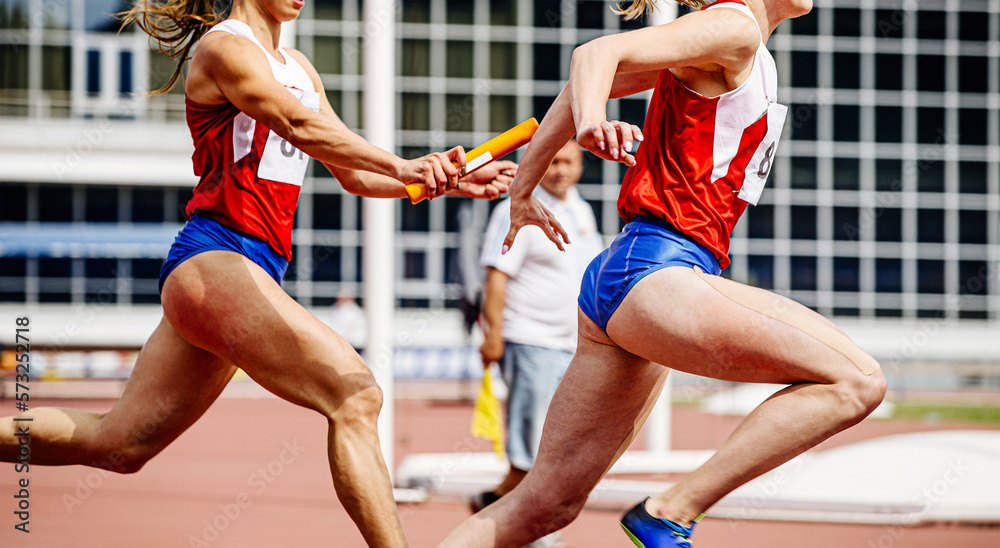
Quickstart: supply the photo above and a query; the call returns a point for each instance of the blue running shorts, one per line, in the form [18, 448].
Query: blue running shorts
[644, 246]
[201, 234]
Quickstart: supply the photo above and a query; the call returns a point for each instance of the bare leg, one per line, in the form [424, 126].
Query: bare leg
[173, 383]
[298, 358]
[707, 333]
[554, 491]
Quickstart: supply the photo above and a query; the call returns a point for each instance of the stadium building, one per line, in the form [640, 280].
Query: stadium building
[881, 211]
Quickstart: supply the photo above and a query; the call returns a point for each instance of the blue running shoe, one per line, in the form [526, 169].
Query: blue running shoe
[649, 532]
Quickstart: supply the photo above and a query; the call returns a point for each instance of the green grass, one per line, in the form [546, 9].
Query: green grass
[971, 413]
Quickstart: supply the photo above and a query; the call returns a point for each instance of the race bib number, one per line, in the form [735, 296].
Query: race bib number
[281, 162]
[760, 163]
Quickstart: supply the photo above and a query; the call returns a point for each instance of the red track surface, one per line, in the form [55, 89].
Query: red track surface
[254, 473]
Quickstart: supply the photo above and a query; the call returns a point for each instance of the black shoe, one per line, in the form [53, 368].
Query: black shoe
[481, 500]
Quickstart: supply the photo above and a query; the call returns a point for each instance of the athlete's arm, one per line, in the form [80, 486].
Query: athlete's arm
[494, 298]
[555, 130]
[717, 42]
[231, 68]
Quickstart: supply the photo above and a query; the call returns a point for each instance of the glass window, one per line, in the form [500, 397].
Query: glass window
[846, 174]
[930, 125]
[761, 269]
[846, 70]
[417, 11]
[972, 177]
[326, 211]
[930, 225]
[547, 13]
[887, 175]
[973, 26]
[503, 60]
[416, 58]
[56, 68]
[760, 221]
[93, 71]
[540, 105]
[803, 273]
[102, 205]
[888, 275]
[415, 218]
[458, 59]
[326, 264]
[546, 59]
[590, 15]
[972, 227]
[459, 112]
[332, 10]
[888, 71]
[328, 55]
[803, 122]
[804, 69]
[55, 267]
[416, 111]
[414, 265]
[846, 123]
[503, 12]
[889, 23]
[460, 12]
[803, 172]
[846, 274]
[930, 276]
[888, 124]
[930, 176]
[14, 14]
[503, 112]
[808, 24]
[931, 25]
[847, 22]
[930, 73]
[972, 123]
[973, 277]
[14, 60]
[13, 202]
[55, 203]
[972, 74]
[99, 15]
[147, 205]
[803, 222]
[889, 225]
[845, 223]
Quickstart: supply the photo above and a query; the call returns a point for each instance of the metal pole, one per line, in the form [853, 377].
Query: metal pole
[658, 432]
[378, 253]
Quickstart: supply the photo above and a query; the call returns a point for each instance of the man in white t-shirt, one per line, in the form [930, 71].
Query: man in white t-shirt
[530, 308]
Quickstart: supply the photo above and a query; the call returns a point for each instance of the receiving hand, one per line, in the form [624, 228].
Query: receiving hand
[531, 212]
[487, 182]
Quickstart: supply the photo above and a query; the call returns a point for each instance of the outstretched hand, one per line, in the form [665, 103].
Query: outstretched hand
[530, 211]
[614, 140]
[487, 182]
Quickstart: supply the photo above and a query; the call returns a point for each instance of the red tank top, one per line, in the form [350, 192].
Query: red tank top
[704, 158]
[249, 176]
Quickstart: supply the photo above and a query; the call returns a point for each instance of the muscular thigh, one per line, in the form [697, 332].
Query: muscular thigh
[718, 328]
[222, 302]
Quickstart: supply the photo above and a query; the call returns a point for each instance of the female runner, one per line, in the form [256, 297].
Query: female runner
[256, 112]
[655, 296]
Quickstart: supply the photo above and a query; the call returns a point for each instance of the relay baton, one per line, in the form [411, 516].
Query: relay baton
[497, 147]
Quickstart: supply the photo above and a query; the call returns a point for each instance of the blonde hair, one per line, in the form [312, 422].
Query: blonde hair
[638, 8]
[176, 25]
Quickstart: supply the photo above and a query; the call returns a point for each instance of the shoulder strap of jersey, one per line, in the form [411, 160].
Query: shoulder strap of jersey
[238, 28]
[738, 6]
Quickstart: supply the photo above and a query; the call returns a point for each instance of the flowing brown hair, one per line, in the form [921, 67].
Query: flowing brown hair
[638, 8]
[176, 25]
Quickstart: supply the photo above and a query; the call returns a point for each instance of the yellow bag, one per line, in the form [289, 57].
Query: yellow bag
[486, 422]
